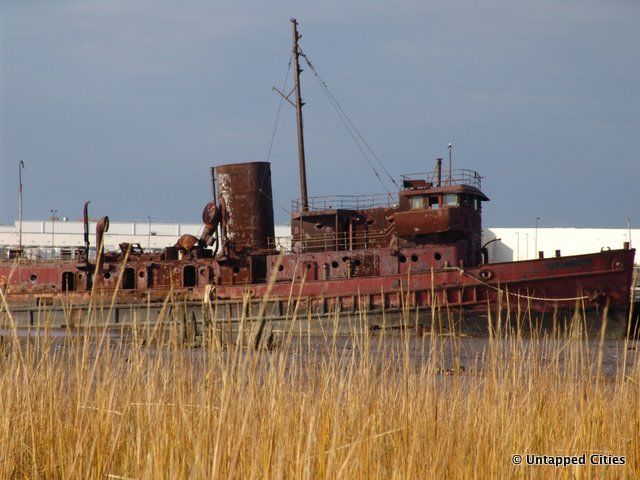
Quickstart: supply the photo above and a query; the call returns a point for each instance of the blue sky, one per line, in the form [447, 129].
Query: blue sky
[128, 102]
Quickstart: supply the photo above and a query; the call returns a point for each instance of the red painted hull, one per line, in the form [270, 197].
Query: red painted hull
[540, 287]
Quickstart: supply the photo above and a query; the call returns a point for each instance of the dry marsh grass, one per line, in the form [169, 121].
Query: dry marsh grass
[366, 406]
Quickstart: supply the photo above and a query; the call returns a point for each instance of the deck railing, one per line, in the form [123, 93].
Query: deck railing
[347, 202]
[327, 242]
[448, 177]
[460, 176]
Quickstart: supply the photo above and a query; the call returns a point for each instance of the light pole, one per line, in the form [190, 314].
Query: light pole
[53, 212]
[536, 236]
[149, 233]
[20, 168]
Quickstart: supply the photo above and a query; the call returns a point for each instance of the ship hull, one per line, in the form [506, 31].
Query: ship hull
[554, 293]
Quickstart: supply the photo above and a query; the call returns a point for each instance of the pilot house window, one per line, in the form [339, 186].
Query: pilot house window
[450, 200]
[416, 202]
[467, 200]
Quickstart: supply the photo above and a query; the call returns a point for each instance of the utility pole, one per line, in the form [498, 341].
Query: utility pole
[299, 104]
[149, 233]
[20, 168]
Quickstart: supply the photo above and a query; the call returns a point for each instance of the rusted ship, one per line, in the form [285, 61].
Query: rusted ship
[413, 258]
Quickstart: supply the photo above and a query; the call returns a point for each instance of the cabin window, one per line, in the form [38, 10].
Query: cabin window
[129, 279]
[189, 276]
[450, 200]
[434, 203]
[478, 204]
[416, 202]
[68, 282]
[468, 201]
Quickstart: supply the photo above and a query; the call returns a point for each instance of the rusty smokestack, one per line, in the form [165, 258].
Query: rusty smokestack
[438, 172]
[246, 204]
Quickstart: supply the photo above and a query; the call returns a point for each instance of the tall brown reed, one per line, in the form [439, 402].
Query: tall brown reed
[141, 404]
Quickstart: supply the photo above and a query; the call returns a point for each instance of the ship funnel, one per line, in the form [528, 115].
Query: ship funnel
[246, 201]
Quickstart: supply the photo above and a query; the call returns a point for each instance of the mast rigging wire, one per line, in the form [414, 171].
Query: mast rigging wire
[275, 125]
[349, 125]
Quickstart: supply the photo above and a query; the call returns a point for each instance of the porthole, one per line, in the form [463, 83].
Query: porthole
[437, 256]
[334, 264]
[281, 268]
[402, 258]
[486, 274]
[141, 273]
[33, 277]
[357, 263]
[107, 275]
[414, 258]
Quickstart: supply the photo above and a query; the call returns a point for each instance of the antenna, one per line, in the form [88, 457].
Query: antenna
[20, 168]
[450, 175]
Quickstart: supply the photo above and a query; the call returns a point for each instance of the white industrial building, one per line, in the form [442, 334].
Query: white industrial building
[508, 244]
[524, 243]
[39, 236]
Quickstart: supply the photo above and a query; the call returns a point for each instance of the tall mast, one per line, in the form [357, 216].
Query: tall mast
[299, 104]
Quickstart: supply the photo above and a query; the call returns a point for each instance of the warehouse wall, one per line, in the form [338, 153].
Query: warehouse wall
[521, 244]
[514, 243]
